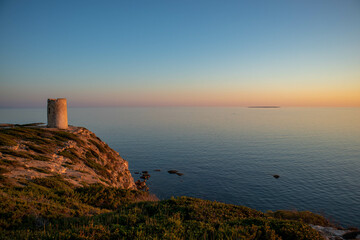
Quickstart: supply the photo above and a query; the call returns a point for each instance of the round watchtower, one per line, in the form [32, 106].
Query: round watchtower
[57, 113]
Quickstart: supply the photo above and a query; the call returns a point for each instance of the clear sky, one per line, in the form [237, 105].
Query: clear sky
[180, 53]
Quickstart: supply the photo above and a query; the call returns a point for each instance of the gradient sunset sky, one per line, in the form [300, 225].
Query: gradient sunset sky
[180, 53]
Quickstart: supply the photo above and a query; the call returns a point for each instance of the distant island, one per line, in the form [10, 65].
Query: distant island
[264, 107]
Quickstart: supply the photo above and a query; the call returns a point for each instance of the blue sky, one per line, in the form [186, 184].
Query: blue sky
[187, 53]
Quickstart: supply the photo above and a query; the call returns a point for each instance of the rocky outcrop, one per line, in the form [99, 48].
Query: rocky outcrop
[76, 154]
[332, 233]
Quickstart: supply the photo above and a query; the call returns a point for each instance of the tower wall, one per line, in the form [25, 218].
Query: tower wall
[57, 113]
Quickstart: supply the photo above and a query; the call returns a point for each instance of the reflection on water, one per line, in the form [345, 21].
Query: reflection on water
[230, 154]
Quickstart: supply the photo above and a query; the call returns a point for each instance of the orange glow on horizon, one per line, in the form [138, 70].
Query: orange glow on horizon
[234, 97]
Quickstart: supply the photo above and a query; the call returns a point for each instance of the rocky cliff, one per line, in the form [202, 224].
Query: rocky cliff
[76, 154]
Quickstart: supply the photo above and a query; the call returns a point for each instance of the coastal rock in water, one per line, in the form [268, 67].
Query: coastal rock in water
[157, 170]
[77, 154]
[179, 174]
[276, 176]
[145, 176]
[141, 185]
[172, 171]
[351, 235]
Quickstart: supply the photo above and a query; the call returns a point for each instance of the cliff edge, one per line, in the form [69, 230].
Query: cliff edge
[76, 154]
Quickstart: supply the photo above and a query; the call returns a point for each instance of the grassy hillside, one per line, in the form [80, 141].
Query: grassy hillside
[50, 208]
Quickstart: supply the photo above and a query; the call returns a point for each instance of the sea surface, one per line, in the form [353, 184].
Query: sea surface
[231, 154]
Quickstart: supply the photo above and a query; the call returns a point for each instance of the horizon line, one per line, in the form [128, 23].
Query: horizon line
[179, 106]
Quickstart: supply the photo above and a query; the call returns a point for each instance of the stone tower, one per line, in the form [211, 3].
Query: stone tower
[57, 113]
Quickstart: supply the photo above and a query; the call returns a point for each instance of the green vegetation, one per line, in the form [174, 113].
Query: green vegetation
[21, 154]
[99, 169]
[91, 154]
[35, 135]
[98, 145]
[44, 142]
[38, 140]
[7, 162]
[69, 153]
[40, 158]
[24, 154]
[41, 170]
[52, 208]
[52, 198]
[39, 149]
[65, 136]
[6, 140]
[3, 170]
[303, 216]
[90, 161]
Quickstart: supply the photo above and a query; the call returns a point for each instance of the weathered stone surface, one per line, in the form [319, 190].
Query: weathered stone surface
[145, 176]
[331, 233]
[57, 113]
[352, 235]
[141, 185]
[81, 158]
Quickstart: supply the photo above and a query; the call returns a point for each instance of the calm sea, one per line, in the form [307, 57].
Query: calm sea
[230, 154]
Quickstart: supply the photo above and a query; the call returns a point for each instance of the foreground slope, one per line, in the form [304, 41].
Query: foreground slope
[181, 218]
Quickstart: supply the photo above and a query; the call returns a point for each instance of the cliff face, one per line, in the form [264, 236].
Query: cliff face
[76, 154]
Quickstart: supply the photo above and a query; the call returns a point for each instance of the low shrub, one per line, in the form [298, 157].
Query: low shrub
[180, 218]
[6, 140]
[98, 146]
[303, 216]
[70, 153]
